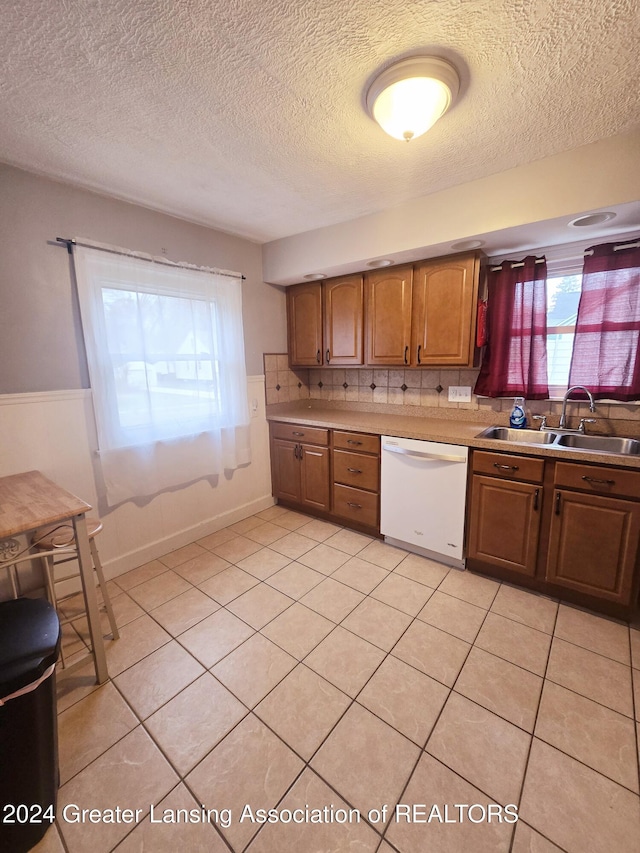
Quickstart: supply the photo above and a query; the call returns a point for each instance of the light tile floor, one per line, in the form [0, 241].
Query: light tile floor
[288, 663]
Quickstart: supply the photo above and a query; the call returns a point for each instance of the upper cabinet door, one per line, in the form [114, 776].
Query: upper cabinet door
[343, 320]
[445, 295]
[388, 300]
[304, 314]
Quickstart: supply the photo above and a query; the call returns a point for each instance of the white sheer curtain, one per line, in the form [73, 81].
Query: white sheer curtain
[166, 362]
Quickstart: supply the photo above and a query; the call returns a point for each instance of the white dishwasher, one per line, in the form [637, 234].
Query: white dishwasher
[422, 497]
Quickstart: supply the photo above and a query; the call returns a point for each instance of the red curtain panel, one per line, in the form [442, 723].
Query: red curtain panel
[515, 360]
[606, 351]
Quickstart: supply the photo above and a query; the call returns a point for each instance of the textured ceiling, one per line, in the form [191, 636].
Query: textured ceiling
[247, 115]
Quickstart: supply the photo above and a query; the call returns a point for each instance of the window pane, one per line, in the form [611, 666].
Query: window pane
[563, 296]
[559, 348]
[163, 360]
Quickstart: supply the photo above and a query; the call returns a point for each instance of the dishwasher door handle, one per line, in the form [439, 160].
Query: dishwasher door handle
[418, 454]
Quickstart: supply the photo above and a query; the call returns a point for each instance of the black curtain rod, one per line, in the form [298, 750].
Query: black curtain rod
[69, 242]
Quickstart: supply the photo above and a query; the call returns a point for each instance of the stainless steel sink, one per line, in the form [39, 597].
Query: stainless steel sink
[601, 443]
[567, 440]
[520, 436]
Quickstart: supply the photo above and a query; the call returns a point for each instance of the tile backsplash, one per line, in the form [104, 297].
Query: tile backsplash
[394, 386]
[426, 388]
[282, 384]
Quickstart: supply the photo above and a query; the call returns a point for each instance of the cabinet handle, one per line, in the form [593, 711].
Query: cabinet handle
[327, 356]
[536, 495]
[353, 441]
[354, 506]
[354, 470]
[301, 434]
[557, 503]
[296, 451]
[406, 350]
[506, 467]
[599, 482]
[318, 356]
[418, 354]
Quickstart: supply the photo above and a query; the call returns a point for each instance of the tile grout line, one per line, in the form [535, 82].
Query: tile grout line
[535, 724]
[634, 705]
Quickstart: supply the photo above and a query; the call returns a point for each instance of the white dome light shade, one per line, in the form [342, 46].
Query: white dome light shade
[409, 97]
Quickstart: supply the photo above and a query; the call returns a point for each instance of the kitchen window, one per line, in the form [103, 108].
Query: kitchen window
[166, 362]
[558, 323]
[563, 296]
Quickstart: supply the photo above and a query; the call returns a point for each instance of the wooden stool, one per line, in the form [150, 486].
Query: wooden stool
[61, 536]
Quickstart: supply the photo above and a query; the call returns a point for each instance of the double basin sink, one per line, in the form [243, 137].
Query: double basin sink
[568, 440]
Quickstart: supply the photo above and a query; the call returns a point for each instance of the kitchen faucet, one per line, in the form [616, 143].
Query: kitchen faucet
[563, 416]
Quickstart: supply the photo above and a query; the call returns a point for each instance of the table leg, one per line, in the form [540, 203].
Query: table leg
[90, 597]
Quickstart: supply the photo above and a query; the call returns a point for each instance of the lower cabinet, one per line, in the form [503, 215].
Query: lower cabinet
[594, 536]
[300, 468]
[356, 478]
[505, 523]
[505, 509]
[564, 528]
[332, 473]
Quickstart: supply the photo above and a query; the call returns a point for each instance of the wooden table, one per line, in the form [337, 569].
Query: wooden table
[31, 500]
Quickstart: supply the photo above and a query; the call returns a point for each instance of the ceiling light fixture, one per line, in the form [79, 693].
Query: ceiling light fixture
[592, 219]
[410, 96]
[380, 262]
[466, 245]
[315, 276]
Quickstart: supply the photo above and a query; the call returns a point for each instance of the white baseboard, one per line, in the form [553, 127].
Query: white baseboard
[153, 550]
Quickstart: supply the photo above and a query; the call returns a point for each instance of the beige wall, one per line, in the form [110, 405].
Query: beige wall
[46, 420]
[517, 202]
[40, 341]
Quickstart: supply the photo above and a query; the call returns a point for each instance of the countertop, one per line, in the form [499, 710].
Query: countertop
[451, 426]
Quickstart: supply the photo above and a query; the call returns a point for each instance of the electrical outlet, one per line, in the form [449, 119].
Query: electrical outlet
[254, 408]
[459, 393]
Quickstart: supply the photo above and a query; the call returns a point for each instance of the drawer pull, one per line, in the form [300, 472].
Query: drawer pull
[599, 482]
[353, 441]
[505, 467]
[406, 352]
[318, 356]
[353, 505]
[354, 470]
[301, 434]
[419, 348]
[327, 356]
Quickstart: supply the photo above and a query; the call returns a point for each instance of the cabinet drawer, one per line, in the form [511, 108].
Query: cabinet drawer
[356, 505]
[356, 469]
[597, 479]
[360, 441]
[299, 432]
[508, 465]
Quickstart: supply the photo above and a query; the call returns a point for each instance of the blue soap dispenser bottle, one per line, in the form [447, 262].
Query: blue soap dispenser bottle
[518, 417]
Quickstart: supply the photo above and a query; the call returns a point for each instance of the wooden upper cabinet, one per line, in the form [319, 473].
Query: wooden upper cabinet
[343, 320]
[445, 295]
[388, 312]
[411, 316]
[304, 317]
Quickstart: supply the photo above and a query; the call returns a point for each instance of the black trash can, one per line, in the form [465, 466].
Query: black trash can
[29, 777]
